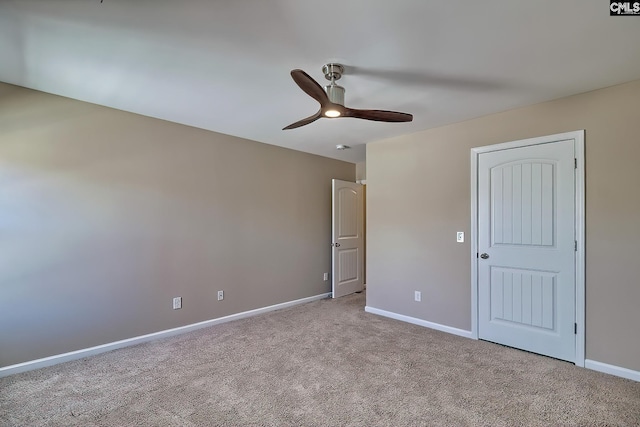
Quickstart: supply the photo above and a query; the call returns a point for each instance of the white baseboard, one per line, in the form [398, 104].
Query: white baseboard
[419, 322]
[612, 369]
[79, 354]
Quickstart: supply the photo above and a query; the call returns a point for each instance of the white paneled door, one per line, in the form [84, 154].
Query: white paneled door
[347, 245]
[526, 248]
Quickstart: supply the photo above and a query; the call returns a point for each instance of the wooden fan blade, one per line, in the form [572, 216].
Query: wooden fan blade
[306, 121]
[310, 87]
[378, 115]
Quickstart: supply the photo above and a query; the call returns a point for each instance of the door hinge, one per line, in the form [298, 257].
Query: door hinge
[575, 246]
[575, 329]
[477, 254]
[575, 163]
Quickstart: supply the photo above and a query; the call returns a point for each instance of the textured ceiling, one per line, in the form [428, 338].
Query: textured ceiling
[224, 65]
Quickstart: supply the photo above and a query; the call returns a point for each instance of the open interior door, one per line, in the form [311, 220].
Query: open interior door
[347, 244]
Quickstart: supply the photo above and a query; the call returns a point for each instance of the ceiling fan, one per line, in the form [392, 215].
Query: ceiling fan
[331, 99]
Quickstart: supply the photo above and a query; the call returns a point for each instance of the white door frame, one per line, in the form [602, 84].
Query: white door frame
[578, 137]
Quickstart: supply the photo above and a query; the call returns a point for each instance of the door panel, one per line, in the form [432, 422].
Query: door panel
[522, 205]
[526, 225]
[348, 265]
[523, 297]
[347, 244]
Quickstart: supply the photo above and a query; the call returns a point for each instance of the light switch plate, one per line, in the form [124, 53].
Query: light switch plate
[460, 236]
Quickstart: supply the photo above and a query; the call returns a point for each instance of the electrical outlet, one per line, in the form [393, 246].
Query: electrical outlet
[325, 276]
[177, 303]
[220, 295]
[417, 296]
[460, 236]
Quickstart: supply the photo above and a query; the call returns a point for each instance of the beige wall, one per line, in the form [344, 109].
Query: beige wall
[106, 215]
[361, 171]
[418, 192]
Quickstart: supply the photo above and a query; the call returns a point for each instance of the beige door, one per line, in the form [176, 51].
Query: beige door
[347, 245]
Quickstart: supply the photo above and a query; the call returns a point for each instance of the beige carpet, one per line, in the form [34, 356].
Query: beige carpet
[326, 363]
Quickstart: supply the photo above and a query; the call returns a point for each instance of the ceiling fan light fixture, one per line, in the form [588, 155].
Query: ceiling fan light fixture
[332, 113]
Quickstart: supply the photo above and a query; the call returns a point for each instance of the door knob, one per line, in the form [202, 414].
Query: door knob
[484, 256]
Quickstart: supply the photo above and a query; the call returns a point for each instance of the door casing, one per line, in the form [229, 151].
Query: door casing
[578, 137]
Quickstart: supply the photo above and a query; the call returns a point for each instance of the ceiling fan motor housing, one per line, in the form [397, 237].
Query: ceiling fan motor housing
[335, 94]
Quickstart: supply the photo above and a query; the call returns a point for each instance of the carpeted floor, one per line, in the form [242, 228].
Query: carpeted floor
[326, 363]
